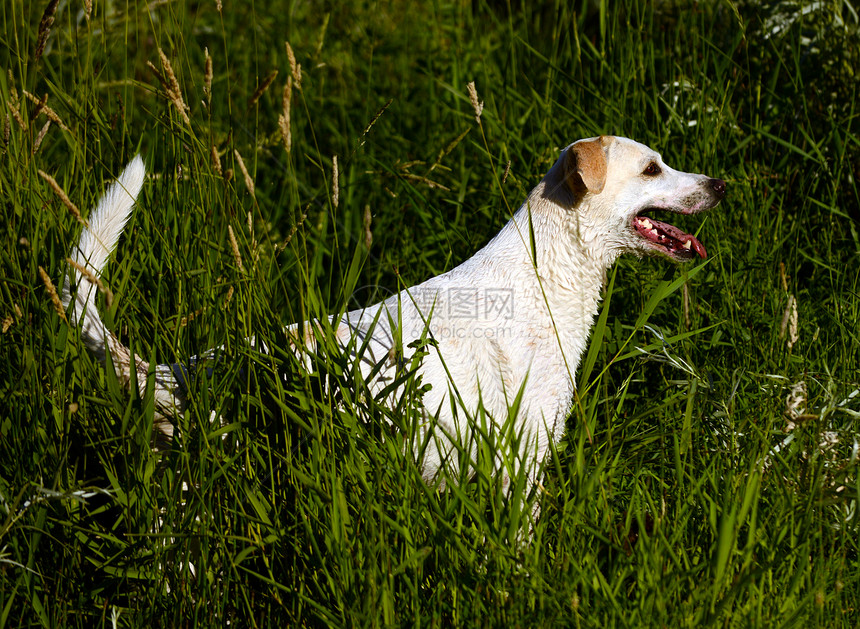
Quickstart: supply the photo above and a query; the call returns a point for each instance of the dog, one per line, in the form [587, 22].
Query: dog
[507, 327]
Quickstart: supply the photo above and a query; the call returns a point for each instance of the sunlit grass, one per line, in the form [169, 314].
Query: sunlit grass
[708, 475]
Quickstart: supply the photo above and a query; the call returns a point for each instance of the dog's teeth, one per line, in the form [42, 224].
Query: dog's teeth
[645, 223]
[654, 232]
[687, 244]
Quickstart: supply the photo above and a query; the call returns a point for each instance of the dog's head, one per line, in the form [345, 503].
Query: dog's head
[616, 184]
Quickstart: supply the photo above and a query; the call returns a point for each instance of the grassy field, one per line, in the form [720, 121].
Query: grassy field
[709, 473]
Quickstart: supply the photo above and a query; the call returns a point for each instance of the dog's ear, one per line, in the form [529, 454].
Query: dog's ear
[585, 166]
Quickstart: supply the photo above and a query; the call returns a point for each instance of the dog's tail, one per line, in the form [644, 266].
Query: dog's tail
[90, 256]
[88, 260]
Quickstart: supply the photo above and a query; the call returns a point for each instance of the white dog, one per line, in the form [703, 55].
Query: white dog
[510, 323]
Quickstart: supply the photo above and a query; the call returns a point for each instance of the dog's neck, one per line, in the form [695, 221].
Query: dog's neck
[567, 251]
[563, 265]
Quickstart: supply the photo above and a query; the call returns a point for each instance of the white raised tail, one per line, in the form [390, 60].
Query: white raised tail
[89, 258]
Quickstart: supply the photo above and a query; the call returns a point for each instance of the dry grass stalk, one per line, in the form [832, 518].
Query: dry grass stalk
[284, 118]
[55, 299]
[42, 106]
[40, 137]
[45, 28]
[7, 130]
[263, 87]
[335, 188]
[64, 198]
[88, 9]
[93, 279]
[473, 98]
[507, 172]
[249, 183]
[216, 161]
[235, 247]
[171, 85]
[295, 68]
[207, 77]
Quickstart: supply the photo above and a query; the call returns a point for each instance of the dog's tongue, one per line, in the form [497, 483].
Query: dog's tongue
[673, 238]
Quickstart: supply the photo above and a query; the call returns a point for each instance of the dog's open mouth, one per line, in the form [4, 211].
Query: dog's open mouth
[669, 238]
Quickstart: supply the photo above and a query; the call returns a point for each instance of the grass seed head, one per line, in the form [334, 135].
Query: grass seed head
[16, 113]
[184, 321]
[473, 98]
[45, 28]
[42, 107]
[216, 161]
[795, 403]
[376, 117]
[93, 279]
[168, 71]
[789, 322]
[171, 86]
[368, 234]
[249, 183]
[55, 299]
[293, 230]
[235, 247]
[41, 137]
[64, 198]
[295, 68]
[207, 77]
[286, 136]
[287, 96]
[263, 87]
[335, 188]
[284, 118]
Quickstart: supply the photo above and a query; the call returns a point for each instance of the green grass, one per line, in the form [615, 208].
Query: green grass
[681, 495]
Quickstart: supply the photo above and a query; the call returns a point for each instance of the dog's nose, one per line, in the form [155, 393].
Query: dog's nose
[719, 187]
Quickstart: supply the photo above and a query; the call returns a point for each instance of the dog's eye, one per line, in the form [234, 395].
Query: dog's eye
[652, 170]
